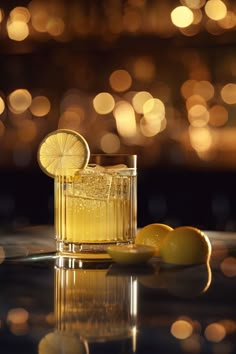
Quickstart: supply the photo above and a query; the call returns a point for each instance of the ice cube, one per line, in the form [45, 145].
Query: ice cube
[92, 184]
[95, 167]
[120, 166]
[121, 169]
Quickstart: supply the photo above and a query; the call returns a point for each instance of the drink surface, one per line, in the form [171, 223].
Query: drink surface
[97, 205]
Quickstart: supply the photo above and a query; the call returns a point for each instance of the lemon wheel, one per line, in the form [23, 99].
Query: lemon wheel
[63, 151]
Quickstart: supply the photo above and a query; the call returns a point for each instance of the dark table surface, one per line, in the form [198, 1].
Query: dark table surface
[51, 304]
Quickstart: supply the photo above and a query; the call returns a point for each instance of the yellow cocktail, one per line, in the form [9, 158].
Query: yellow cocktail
[96, 206]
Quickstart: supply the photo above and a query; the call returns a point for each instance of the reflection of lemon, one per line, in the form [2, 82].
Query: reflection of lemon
[130, 254]
[185, 245]
[187, 282]
[62, 151]
[152, 235]
[153, 280]
[62, 343]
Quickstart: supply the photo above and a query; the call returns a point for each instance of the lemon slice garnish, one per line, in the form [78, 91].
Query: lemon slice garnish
[63, 151]
[130, 254]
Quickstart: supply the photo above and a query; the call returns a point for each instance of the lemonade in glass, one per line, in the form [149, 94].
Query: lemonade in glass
[95, 195]
[96, 206]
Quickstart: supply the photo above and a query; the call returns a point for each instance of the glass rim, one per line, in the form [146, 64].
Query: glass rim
[115, 154]
[126, 161]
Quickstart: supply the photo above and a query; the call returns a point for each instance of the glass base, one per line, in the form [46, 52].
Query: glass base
[86, 250]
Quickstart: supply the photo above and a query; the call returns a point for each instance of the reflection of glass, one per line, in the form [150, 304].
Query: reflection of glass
[93, 305]
[97, 206]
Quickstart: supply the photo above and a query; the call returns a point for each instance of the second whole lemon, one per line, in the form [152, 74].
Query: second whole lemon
[152, 235]
[186, 245]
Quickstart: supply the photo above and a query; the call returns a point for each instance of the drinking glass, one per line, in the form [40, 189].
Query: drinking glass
[97, 206]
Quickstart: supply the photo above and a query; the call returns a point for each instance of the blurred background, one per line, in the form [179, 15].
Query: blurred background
[152, 77]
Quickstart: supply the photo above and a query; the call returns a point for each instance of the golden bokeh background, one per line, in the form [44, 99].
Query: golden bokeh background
[155, 78]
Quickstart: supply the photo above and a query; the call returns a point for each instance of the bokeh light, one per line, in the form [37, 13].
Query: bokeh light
[125, 119]
[17, 30]
[103, 103]
[17, 319]
[120, 80]
[187, 88]
[39, 18]
[228, 93]
[181, 329]
[195, 100]
[151, 127]
[17, 315]
[110, 143]
[20, 13]
[218, 116]
[55, 26]
[229, 325]
[40, 106]
[228, 266]
[229, 21]
[204, 88]
[197, 18]
[182, 16]
[215, 9]
[19, 100]
[198, 115]
[139, 99]
[215, 332]
[154, 109]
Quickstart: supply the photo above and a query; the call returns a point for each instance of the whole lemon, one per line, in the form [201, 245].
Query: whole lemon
[152, 235]
[185, 245]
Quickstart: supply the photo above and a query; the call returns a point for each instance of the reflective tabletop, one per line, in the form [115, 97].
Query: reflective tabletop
[51, 304]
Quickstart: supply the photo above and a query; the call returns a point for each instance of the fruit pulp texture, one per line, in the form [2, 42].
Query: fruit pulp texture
[96, 207]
